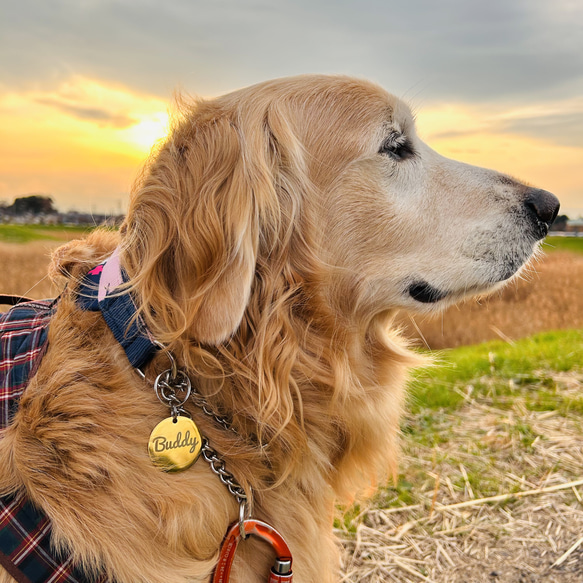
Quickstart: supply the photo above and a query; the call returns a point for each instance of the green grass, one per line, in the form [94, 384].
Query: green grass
[501, 370]
[28, 233]
[496, 374]
[347, 518]
[572, 244]
[506, 383]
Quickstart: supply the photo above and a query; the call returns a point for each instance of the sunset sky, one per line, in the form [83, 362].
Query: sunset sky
[86, 85]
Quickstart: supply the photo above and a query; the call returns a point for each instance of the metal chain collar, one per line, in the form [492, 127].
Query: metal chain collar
[218, 467]
[173, 388]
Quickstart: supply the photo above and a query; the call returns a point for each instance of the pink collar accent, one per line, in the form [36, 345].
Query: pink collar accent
[111, 276]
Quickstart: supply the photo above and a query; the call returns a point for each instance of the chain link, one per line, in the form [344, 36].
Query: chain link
[172, 381]
[201, 403]
[218, 467]
[166, 388]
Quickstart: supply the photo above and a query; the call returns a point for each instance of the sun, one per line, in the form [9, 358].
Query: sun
[149, 130]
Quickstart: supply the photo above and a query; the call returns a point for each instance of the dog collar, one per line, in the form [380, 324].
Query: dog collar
[102, 291]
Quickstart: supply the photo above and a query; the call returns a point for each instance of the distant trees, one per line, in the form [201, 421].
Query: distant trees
[36, 204]
[560, 223]
[39, 209]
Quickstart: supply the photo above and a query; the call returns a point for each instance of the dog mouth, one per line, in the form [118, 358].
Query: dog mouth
[425, 293]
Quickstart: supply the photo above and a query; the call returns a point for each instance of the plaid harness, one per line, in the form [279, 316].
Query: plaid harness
[25, 533]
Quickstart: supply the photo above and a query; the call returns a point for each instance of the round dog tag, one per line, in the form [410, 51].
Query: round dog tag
[174, 444]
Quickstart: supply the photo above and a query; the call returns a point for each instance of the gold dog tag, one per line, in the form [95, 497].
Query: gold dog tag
[174, 444]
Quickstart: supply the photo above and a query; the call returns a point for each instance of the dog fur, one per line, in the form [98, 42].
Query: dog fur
[270, 241]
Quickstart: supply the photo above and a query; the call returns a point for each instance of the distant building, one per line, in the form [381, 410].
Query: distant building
[39, 210]
[574, 226]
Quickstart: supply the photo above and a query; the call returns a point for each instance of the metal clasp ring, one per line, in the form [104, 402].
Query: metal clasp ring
[160, 384]
[242, 532]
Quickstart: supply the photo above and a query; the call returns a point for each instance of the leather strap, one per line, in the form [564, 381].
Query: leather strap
[10, 300]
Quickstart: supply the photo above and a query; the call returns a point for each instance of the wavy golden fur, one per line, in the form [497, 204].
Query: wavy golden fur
[266, 250]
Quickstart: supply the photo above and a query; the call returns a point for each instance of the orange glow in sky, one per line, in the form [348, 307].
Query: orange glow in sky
[479, 135]
[85, 142]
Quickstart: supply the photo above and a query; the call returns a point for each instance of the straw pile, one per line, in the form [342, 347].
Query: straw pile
[499, 499]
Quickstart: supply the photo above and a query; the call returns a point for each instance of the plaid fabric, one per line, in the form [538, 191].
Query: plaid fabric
[25, 533]
[23, 338]
[26, 551]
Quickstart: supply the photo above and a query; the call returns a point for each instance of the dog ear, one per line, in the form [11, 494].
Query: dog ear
[191, 237]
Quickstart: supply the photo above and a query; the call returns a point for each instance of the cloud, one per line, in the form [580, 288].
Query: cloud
[491, 57]
[561, 128]
[477, 51]
[95, 114]
[557, 123]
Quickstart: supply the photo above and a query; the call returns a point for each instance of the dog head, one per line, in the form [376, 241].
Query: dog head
[322, 183]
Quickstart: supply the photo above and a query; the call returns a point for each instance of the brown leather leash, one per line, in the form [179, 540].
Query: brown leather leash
[280, 572]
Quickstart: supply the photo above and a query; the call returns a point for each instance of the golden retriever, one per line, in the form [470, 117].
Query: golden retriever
[269, 243]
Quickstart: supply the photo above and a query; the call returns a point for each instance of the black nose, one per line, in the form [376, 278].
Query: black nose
[542, 204]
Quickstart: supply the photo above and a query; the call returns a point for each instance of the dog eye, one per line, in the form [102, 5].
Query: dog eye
[398, 147]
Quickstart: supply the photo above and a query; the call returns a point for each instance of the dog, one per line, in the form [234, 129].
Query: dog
[269, 243]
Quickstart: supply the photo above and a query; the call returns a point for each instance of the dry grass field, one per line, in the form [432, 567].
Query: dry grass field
[24, 269]
[548, 297]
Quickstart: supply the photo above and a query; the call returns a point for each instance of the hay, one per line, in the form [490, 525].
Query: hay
[24, 269]
[527, 531]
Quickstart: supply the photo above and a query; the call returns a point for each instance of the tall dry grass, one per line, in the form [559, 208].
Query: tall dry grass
[549, 297]
[23, 269]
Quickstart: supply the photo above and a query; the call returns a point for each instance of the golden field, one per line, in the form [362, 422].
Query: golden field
[24, 269]
[548, 297]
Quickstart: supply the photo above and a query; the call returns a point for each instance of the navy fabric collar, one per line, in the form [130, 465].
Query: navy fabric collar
[118, 309]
